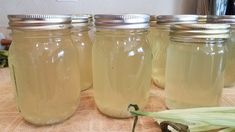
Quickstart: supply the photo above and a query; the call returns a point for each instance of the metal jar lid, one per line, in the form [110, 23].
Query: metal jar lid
[201, 31]
[125, 21]
[228, 19]
[178, 19]
[39, 22]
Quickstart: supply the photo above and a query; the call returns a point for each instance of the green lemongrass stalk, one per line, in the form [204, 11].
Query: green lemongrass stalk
[3, 58]
[4, 53]
[227, 130]
[203, 109]
[199, 126]
[198, 119]
[203, 127]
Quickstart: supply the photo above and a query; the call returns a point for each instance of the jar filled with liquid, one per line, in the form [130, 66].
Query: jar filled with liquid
[195, 65]
[159, 41]
[121, 63]
[153, 33]
[80, 37]
[229, 75]
[44, 71]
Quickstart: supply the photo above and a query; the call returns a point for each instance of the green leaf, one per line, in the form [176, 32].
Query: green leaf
[198, 119]
[4, 53]
[3, 58]
[227, 130]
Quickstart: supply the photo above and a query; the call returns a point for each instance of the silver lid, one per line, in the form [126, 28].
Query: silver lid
[200, 31]
[178, 19]
[125, 21]
[37, 21]
[228, 19]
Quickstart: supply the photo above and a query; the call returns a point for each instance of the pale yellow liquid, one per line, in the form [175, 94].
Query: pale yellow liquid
[159, 40]
[152, 38]
[194, 75]
[44, 73]
[121, 71]
[229, 75]
[84, 46]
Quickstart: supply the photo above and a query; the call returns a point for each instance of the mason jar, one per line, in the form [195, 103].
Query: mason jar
[43, 65]
[195, 65]
[121, 63]
[152, 33]
[159, 40]
[81, 39]
[229, 75]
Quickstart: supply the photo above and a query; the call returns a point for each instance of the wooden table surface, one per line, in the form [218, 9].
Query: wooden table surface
[87, 118]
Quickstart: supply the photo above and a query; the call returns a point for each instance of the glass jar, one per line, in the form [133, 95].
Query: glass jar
[159, 41]
[43, 64]
[153, 32]
[195, 65]
[81, 27]
[229, 75]
[121, 63]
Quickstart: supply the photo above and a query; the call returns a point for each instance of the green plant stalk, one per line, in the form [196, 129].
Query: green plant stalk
[3, 58]
[4, 53]
[227, 130]
[197, 119]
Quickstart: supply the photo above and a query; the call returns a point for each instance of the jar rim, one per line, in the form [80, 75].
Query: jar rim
[177, 19]
[200, 31]
[221, 19]
[39, 21]
[122, 21]
[226, 19]
[166, 20]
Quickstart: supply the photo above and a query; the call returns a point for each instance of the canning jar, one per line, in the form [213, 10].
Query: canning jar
[44, 71]
[152, 33]
[121, 63]
[159, 40]
[80, 37]
[229, 75]
[195, 65]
